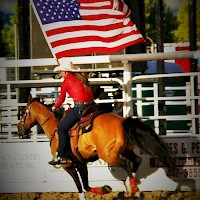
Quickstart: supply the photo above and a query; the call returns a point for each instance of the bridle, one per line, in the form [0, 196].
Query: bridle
[26, 133]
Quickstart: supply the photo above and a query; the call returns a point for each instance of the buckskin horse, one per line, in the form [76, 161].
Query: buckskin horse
[111, 138]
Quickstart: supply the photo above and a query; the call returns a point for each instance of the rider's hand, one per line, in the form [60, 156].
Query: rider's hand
[53, 108]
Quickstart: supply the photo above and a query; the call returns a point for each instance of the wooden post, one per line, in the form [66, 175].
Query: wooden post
[24, 46]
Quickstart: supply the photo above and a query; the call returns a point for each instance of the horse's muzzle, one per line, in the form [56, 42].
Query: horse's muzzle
[23, 133]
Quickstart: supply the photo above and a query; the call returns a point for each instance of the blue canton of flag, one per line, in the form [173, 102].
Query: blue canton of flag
[57, 10]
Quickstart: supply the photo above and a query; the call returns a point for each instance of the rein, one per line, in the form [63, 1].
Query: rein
[47, 119]
[52, 135]
[54, 132]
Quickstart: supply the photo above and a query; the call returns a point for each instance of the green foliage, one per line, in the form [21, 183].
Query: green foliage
[169, 22]
[3, 19]
[182, 33]
[2, 41]
[7, 33]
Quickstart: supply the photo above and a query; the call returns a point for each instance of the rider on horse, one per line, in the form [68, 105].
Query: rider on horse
[77, 86]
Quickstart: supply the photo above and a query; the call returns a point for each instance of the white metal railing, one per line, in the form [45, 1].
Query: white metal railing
[9, 89]
[102, 59]
[9, 107]
[188, 99]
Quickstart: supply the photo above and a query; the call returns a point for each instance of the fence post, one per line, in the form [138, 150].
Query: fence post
[127, 76]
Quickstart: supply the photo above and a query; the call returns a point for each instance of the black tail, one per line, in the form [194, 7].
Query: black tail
[146, 139]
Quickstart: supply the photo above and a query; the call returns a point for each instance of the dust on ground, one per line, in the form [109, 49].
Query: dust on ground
[154, 195]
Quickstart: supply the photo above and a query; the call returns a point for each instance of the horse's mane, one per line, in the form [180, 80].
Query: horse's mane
[35, 99]
[40, 100]
[58, 113]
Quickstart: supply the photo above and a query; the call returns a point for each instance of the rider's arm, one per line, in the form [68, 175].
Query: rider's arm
[62, 95]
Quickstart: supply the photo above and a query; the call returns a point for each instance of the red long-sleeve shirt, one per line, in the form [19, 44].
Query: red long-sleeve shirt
[76, 90]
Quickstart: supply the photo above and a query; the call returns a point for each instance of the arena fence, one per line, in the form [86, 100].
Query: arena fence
[140, 99]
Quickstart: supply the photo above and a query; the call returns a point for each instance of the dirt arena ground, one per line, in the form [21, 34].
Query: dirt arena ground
[155, 195]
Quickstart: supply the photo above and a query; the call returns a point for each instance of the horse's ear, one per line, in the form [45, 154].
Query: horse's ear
[30, 98]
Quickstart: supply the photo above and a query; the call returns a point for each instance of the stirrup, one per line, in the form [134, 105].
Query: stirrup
[54, 162]
[62, 161]
[66, 162]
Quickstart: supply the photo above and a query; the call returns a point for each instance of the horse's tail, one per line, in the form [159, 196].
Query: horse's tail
[147, 140]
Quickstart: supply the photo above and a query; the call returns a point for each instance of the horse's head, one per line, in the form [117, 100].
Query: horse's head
[26, 122]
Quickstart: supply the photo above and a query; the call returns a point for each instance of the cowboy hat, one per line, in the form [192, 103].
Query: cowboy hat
[65, 65]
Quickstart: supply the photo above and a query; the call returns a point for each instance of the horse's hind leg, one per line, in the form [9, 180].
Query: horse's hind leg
[130, 155]
[136, 160]
[116, 161]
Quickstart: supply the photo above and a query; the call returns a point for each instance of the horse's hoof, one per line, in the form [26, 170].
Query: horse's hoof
[106, 189]
[101, 190]
[97, 190]
[137, 196]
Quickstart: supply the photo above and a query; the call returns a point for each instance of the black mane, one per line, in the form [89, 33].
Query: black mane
[35, 99]
[58, 113]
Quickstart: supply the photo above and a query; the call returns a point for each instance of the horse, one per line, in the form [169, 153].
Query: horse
[113, 142]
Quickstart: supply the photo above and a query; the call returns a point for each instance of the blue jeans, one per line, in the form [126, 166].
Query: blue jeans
[72, 116]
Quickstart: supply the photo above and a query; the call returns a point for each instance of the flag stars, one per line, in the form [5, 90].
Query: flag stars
[57, 10]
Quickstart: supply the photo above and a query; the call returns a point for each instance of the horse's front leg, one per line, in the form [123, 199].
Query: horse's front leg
[74, 175]
[83, 171]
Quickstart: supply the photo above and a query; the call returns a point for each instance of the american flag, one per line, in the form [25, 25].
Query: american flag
[82, 27]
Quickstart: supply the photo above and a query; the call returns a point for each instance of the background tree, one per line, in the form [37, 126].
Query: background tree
[182, 32]
[3, 20]
[8, 36]
[169, 21]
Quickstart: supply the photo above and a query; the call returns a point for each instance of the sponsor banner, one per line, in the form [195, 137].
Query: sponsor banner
[24, 167]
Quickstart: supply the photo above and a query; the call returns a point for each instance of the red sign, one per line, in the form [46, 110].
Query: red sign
[184, 63]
